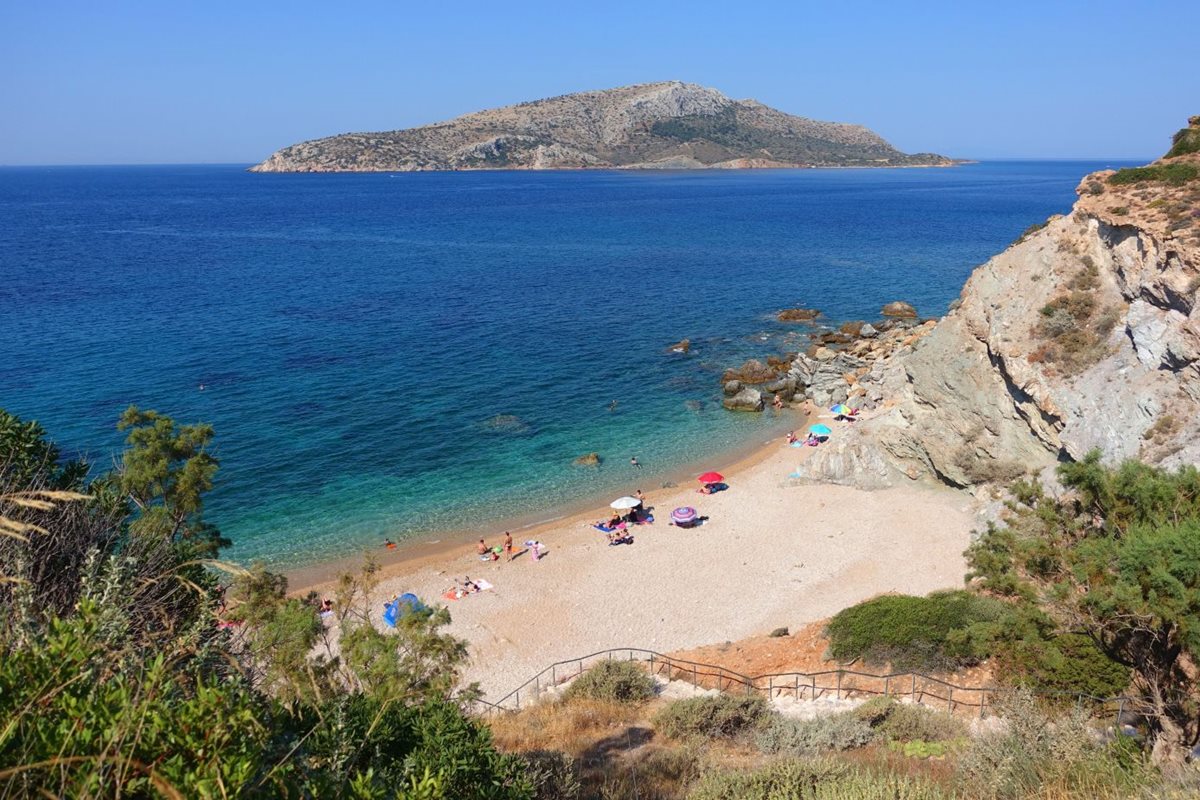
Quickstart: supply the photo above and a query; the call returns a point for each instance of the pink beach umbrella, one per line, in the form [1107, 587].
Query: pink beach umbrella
[683, 516]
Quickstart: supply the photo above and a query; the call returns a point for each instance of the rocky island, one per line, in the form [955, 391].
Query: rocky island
[667, 125]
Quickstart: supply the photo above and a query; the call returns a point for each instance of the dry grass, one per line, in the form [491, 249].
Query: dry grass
[573, 727]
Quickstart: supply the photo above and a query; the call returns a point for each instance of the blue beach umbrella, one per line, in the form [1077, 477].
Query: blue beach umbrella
[820, 430]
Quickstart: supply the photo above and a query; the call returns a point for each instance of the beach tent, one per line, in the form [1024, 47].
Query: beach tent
[406, 603]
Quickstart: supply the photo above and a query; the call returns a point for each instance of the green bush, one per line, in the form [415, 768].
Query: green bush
[1186, 140]
[904, 722]
[810, 737]
[720, 716]
[1174, 174]
[1070, 664]
[943, 631]
[614, 681]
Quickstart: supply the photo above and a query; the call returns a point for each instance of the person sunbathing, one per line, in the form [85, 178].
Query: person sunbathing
[469, 585]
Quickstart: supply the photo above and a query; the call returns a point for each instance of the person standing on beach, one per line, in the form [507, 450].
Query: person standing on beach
[641, 499]
[633, 462]
[508, 545]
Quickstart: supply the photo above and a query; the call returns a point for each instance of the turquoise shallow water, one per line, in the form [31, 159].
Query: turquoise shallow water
[355, 333]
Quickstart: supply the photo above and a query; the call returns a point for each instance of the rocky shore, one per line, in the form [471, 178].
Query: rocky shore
[842, 366]
[1083, 335]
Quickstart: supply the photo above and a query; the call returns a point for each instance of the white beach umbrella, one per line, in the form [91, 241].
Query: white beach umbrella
[625, 502]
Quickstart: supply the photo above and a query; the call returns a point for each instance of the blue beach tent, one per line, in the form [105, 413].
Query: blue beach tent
[406, 603]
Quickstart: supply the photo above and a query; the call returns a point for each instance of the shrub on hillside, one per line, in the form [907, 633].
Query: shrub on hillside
[1032, 751]
[1174, 174]
[943, 631]
[552, 774]
[810, 737]
[1070, 664]
[903, 722]
[805, 779]
[721, 716]
[614, 681]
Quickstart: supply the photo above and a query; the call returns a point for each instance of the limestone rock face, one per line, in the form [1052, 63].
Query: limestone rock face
[1084, 334]
[667, 125]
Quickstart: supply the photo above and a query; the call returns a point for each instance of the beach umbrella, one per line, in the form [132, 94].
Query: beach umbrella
[841, 409]
[820, 430]
[685, 514]
[625, 502]
[711, 477]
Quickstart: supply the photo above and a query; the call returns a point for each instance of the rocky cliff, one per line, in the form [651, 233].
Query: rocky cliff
[1085, 333]
[668, 125]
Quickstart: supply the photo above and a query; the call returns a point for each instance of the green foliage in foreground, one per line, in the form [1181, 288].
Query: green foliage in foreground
[943, 631]
[126, 671]
[1173, 174]
[1117, 560]
[613, 681]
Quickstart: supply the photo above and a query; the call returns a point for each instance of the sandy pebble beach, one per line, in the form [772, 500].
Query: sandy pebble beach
[772, 553]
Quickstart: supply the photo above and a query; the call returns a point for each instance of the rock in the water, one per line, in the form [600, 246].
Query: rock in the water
[798, 315]
[753, 371]
[733, 387]
[899, 309]
[745, 400]
[587, 460]
[853, 328]
[682, 346]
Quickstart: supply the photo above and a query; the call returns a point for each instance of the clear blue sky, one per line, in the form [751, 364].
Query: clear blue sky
[231, 81]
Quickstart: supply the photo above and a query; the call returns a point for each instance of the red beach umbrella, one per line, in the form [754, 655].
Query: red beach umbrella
[711, 477]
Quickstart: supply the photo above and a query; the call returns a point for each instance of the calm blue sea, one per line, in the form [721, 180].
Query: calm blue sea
[355, 333]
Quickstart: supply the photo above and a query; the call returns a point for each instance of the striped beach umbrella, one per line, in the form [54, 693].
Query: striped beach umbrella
[841, 409]
[683, 515]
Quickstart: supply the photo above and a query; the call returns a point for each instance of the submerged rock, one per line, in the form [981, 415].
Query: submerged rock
[587, 460]
[682, 346]
[507, 423]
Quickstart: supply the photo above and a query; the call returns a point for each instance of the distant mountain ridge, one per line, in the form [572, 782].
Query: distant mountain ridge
[667, 125]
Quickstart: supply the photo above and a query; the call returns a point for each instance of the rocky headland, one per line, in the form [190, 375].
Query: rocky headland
[667, 125]
[1084, 334]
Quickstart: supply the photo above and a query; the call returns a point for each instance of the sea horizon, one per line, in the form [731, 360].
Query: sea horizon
[398, 354]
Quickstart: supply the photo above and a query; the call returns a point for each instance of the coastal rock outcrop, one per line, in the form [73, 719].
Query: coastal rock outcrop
[746, 400]
[667, 125]
[1084, 334]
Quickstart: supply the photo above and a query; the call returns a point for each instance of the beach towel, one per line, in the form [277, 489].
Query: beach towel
[602, 528]
[798, 443]
[647, 521]
[484, 585]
